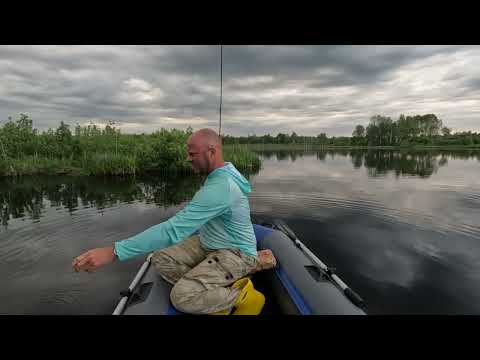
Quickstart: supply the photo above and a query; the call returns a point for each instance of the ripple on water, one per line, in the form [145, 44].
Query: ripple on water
[312, 206]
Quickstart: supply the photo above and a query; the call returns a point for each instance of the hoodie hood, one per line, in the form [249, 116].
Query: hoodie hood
[239, 179]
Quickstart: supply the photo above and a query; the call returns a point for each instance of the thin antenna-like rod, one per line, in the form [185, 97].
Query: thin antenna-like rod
[221, 83]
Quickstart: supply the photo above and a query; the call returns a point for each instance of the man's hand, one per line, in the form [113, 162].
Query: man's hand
[93, 259]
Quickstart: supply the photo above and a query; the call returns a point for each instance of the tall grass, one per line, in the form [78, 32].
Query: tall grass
[241, 157]
[31, 165]
[95, 151]
[110, 164]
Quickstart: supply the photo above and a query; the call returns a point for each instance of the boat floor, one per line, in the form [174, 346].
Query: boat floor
[277, 300]
[261, 283]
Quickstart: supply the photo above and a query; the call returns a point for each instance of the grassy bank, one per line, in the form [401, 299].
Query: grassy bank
[93, 151]
[108, 164]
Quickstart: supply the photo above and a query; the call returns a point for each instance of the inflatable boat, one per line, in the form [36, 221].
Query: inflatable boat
[300, 283]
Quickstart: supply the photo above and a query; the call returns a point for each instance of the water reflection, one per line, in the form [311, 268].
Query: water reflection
[28, 196]
[422, 163]
[288, 155]
[380, 163]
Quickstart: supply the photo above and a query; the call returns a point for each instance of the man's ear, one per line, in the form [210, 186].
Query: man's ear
[213, 149]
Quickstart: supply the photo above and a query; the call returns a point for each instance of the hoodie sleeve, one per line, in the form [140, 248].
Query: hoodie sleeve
[210, 201]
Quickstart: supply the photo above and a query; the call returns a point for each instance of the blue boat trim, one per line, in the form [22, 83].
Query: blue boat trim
[172, 311]
[261, 232]
[293, 292]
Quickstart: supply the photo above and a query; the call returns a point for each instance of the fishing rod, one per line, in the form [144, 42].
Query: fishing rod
[221, 83]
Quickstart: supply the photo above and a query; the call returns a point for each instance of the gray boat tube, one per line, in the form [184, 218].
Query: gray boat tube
[327, 271]
[304, 280]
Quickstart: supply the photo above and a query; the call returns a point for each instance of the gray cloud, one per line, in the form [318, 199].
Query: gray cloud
[267, 89]
[472, 84]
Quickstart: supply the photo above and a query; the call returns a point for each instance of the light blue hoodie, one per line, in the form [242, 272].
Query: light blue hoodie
[220, 210]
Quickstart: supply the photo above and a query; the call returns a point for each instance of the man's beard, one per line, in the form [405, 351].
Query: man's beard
[199, 170]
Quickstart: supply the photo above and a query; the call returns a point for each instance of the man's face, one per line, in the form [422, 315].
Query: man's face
[197, 155]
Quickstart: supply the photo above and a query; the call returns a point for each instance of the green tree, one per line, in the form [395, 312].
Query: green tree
[359, 131]
[294, 138]
[281, 138]
[322, 138]
[358, 136]
[446, 131]
[63, 133]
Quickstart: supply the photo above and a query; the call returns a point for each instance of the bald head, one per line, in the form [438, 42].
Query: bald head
[205, 151]
[206, 137]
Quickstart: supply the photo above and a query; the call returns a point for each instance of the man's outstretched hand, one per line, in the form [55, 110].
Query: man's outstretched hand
[93, 259]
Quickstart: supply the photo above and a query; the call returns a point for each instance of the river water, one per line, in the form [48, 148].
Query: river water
[401, 228]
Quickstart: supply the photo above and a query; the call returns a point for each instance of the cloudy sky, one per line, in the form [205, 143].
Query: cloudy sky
[266, 89]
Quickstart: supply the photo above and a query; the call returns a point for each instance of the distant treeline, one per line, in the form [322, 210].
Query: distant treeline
[92, 150]
[406, 131]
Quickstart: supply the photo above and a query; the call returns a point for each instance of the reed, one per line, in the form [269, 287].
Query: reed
[168, 162]
[241, 157]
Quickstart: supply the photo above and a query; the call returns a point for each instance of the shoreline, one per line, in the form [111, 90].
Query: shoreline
[31, 166]
[321, 147]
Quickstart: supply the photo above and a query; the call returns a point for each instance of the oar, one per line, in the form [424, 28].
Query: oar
[127, 293]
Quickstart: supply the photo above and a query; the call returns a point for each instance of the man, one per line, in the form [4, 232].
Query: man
[206, 269]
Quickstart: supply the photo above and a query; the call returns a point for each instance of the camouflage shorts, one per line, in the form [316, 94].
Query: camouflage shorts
[201, 277]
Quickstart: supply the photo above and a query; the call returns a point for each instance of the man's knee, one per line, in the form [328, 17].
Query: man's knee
[159, 257]
[193, 297]
[184, 293]
[160, 260]
[167, 267]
